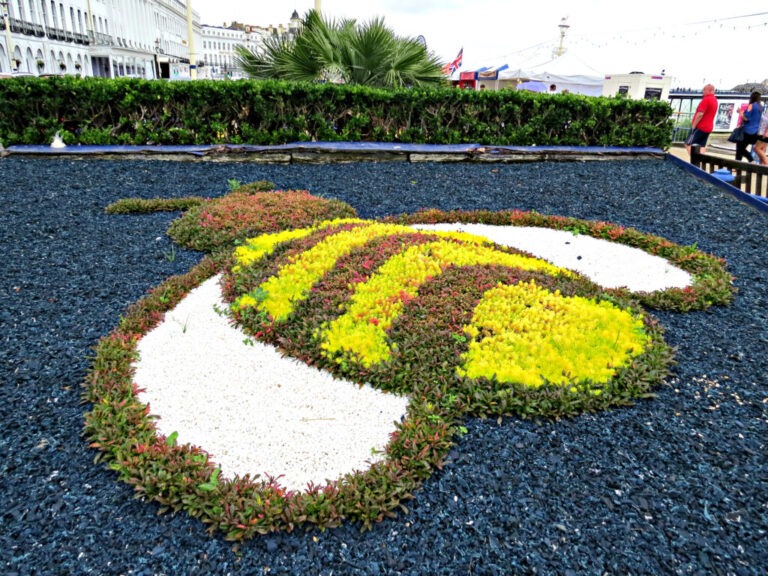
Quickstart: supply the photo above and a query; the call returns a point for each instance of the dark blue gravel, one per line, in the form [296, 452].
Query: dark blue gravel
[675, 485]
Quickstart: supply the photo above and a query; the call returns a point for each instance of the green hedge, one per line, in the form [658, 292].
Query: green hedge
[131, 111]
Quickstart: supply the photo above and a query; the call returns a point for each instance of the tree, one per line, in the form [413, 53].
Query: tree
[369, 54]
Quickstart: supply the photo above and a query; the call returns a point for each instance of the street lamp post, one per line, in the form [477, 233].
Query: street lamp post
[8, 39]
[90, 21]
[191, 42]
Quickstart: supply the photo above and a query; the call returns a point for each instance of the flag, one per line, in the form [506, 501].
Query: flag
[455, 65]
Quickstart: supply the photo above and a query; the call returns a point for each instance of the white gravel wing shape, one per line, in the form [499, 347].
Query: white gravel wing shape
[251, 409]
[606, 263]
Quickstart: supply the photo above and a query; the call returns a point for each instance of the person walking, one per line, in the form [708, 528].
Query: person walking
[751, 119]
[703, 121]
[762, 138]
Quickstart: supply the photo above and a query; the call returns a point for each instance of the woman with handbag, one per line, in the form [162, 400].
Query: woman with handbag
[762, 138]
[751, 119]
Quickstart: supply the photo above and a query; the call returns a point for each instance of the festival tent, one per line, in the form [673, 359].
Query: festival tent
[484, 76]
[488, 72]
[567, 72]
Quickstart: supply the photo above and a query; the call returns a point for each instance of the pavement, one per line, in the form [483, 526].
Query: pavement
[718, 145]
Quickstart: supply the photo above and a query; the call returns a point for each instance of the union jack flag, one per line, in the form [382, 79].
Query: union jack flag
[451, 67]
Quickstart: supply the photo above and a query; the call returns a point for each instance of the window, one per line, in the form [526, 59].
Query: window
[652, 94]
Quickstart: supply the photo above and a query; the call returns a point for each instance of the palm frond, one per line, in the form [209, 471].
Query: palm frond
[329, 50]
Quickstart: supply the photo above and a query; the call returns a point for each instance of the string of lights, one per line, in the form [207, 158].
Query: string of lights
[689, 31]
[684, 31]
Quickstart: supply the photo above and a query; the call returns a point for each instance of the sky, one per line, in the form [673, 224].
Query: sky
[694, 42]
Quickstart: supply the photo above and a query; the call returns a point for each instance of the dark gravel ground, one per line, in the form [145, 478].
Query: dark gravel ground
[675, 485]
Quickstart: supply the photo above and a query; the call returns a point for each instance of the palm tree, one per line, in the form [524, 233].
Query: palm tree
[370, 54]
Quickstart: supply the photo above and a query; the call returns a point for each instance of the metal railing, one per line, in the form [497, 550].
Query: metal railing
[55, 33]
[682, 126]
[37, 30]
[749, 178]
[102, 39]
[18, 26]
[31, 29]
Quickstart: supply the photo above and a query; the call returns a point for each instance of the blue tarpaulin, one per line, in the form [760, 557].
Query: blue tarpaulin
[533, 86]
[201, 150]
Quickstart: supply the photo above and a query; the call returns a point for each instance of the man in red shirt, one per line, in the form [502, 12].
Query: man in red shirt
[703, 120]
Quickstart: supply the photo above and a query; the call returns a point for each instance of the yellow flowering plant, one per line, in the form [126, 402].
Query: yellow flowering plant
[280, 293]
[361, 330]
[522, 333]
[712, 284]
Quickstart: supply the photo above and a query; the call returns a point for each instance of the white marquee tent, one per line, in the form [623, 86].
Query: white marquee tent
[567, 72]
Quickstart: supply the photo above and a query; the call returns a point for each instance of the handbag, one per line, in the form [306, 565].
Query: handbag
[737, 135]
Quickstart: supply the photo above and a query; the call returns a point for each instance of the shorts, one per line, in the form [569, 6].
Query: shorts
[762, 139]
[697, 138]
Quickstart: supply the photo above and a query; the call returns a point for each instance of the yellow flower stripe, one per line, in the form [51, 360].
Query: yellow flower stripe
[525, 334]
[256, 248]
[294, 281]
[361, 330]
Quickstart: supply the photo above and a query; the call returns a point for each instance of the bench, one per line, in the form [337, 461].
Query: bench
[750, 178]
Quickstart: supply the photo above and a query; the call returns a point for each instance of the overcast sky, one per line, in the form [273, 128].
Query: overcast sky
[694, 42]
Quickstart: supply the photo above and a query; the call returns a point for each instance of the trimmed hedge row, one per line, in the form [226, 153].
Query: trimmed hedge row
[139, 112]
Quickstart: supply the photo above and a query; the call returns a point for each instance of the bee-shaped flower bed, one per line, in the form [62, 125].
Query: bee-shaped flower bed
[452, 322]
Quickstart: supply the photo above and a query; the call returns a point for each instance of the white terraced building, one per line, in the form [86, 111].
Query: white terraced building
[219, 43]
[113, 38]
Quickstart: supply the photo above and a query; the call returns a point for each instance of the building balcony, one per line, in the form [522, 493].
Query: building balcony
[55, 33]
[18, 26]
[99, 39]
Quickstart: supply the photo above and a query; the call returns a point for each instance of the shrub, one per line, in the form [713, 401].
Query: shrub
[250, 211]
[148, 206]
[140, 112]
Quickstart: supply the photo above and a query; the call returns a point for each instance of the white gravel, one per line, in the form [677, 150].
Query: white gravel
[606, 263]
[256, 412]
[251, 409]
